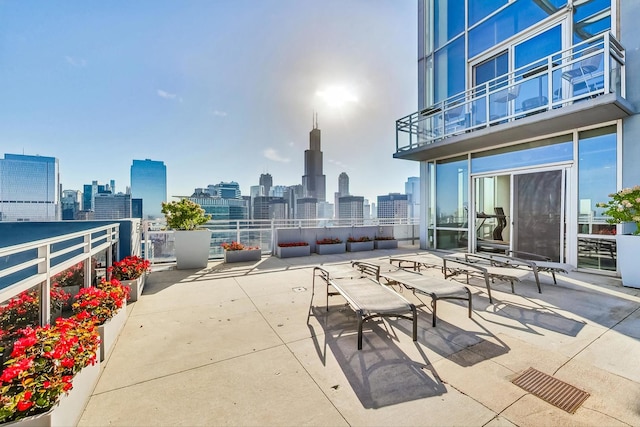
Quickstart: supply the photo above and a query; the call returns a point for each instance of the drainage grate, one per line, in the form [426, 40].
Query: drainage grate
[551, 390]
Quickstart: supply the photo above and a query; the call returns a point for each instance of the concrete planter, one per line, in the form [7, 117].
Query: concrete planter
[69, 409]
[386, 244]
[293, 251]
[247, 255]
[627, 249]
[136, 286]
[331, 248]
[110, 331]
[192, 248]
[359, 246]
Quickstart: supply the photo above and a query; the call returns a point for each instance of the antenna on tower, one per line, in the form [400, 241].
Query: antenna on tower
[316, 120]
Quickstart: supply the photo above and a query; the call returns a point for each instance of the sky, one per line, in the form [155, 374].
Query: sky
[219, 90]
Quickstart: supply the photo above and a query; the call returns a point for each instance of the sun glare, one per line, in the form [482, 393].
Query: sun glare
[337, 96]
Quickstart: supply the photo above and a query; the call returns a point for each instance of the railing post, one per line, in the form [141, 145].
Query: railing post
[606, 52]
[238, 231]
[549, 82]
[44, 251]
[273, 236]
[486, 103]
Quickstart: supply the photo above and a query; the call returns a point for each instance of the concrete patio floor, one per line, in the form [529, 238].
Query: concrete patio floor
[245, 345]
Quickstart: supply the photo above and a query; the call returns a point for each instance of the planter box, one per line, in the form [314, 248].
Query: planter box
[192, 248]
[293, 251]
[332, 248]
[136, 286]
[69, 409]
[386, 244]
[359, 246]
[110, 331]
[249, 255]
[627, 250]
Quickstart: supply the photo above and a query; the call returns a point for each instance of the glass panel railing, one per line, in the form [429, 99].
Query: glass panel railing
[588, 69]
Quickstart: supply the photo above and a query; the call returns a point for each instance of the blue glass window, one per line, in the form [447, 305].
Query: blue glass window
[449, 20]
[478, 9]
[449, 65]
[537, 47]
[452, 179]
[510, 21]
[542, 152]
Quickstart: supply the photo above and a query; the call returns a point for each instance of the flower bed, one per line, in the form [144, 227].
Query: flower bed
[328, 246]
[383, 242]
[131, 272]
[237, 252]
[293, 249]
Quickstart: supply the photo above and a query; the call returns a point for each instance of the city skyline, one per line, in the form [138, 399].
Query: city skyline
[218, 91]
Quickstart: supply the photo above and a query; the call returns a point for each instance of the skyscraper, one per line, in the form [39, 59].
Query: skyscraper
[70, 204]
[29, 188]
[313, 180]
[266, 180]
[412, 190]
[393, 205]
[343, 190]
[149, 183]
[112, 206]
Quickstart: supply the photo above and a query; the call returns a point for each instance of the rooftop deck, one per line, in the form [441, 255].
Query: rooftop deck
[246, 345]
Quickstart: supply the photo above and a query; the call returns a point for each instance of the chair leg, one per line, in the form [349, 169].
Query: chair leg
[470, 303]
[434, 305]
[360, 321]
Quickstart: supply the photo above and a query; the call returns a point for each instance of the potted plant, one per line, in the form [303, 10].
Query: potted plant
[293, 249]
[191, 242]
[329, 245]
[105, 305]
[237, 252]
[51, 374]
[357, 244]
[624, 207]
[131, 271]
[385, 242]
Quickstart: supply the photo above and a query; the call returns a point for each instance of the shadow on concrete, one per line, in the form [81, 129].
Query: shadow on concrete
[380, 374]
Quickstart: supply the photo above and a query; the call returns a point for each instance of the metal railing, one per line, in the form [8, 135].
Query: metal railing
[158, 244]
[585, 70]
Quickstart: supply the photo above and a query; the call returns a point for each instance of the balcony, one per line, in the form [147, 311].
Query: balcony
[576, 87]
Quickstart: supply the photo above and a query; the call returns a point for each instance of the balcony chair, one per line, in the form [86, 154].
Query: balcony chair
[585, 70]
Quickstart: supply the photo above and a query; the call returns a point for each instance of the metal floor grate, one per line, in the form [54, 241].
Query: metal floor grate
[551, 390]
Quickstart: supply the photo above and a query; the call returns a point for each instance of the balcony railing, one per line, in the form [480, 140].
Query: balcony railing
[586, 70]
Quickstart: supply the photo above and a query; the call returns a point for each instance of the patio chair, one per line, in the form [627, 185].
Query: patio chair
[543, 263]
[417, 262]
[434, 287]
[476, 265]
[369, 299]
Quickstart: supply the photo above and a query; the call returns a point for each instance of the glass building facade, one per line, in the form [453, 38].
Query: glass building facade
[29, 188]
[524, 113]
[149, 183]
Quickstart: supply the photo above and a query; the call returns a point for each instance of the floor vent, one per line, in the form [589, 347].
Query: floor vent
[551, 390]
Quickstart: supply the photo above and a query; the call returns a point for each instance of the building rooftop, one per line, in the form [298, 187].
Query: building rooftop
[249, 344]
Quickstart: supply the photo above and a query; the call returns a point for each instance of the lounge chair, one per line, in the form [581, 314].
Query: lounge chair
[543, 263]
[475, 265]
[417, 262]
[367, 297]
[434, 287]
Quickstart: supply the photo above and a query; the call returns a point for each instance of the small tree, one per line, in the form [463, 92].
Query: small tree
[184, 215]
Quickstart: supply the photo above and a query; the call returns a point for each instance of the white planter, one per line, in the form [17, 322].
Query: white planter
[293, 251]
[247, 255]
[359, 246]
[192, 248]
[331, 248]
[136, 286]
[69, 409]
[627, 249]
[386, 244]
[110, 331]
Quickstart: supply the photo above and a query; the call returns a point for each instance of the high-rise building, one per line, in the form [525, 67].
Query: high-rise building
[307, 208]
[291, 194]
[227, 190]
[93, 189]
[149, 183]
[343, 190]
[136, 208]
[70, 204]
[525, 109]
[112, 206]
[29, 188]
[412, 190]
[313, 180]
[393, 206]
[266, 180]
[269, 208]
[366, 210]
[224, 209]
[351, 209]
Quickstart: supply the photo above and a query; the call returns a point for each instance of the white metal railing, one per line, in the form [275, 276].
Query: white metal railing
[158, 243]
[35, 262]
[587, 69]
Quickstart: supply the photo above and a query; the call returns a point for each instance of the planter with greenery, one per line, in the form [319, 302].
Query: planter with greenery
[192, 244]
[358, 244]
[293, 249]
[385, 242]
[329, 246]
[131, 271]
[106, 306]
[624, 207]
[237, 252]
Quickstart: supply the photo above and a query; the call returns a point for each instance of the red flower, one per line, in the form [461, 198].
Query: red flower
[68, 362]
[23, 405]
